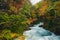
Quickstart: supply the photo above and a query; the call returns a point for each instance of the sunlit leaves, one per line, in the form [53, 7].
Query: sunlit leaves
[38, 5]
[44, 8]
[14, 9]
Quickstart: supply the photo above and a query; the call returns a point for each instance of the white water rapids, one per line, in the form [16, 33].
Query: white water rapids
[39, 33]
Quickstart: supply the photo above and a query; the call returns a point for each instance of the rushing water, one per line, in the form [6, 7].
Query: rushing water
[39, 33]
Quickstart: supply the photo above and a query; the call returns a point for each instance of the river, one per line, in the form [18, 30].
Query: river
[39, 33]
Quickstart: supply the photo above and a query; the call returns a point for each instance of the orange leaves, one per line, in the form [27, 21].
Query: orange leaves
[15, 5]
[43, 8]
[32, 20]
[19, 4]
[13, 35]
[21, 38]
[12, 8]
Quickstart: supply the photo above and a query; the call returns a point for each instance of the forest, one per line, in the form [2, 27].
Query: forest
[16, 16]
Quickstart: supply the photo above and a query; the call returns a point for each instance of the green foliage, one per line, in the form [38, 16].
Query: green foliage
[14, 23]
[7, 34]
[25, 10]
[18, 23]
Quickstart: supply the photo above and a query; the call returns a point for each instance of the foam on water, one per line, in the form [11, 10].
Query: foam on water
[39, 33]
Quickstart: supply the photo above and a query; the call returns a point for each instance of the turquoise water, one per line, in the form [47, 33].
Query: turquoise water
[39, 33]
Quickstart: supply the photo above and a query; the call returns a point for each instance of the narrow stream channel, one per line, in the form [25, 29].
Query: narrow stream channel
[39, 33]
